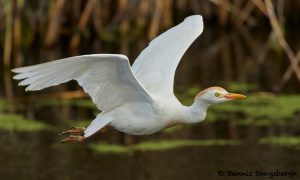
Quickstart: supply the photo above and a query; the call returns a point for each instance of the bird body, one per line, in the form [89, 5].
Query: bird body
[137, 100]
[144, 118]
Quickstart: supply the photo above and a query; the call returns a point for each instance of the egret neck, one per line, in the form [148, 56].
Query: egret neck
[196, 112]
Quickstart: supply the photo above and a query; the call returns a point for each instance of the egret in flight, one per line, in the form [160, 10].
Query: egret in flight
[137, 99]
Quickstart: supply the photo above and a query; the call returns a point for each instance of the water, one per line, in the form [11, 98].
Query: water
[40, 156]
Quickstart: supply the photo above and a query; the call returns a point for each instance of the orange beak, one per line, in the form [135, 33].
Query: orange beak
[234, 96]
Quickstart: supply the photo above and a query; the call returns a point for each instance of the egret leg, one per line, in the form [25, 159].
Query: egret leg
[75, 134]
[74, 131]
[73, 138]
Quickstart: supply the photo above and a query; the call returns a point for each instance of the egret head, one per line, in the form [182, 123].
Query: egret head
[215, 95]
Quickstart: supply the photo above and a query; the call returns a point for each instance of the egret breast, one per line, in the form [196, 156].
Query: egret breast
[137, 119]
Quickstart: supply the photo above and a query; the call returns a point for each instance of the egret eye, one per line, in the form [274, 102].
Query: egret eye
[217, 94]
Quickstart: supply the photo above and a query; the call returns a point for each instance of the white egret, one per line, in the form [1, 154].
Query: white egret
[137, 100]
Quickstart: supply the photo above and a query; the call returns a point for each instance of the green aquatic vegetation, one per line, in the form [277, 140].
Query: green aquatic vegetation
[2, 104]
[193, 91]
[283, 106]
[240, 87]
[211, 116]
[185, 100]
[279, 108]
[171, 144]
[110, 148]
[79, 123]
[5, 106]
[261, 122]
[159, 145]
[12, 122]
[84, 103]
[287, 141]
[173, 129]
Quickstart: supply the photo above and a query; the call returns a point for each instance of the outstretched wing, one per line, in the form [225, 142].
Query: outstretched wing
[155, 67]
[107, 78]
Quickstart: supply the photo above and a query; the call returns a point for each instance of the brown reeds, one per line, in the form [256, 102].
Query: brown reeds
[54, 22]
[281, 40]
[85, 16]
[8, 33]
[120, 24]
[17, 32]
[156, 19]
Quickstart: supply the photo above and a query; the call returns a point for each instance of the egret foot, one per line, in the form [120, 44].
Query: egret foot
[74, 131]
[73, 138]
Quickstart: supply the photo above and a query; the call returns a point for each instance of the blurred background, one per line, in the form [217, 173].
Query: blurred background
[251, 47]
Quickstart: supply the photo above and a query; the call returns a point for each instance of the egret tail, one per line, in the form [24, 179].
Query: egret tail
[97, 124]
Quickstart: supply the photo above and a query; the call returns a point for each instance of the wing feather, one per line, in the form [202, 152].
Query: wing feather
[107, 78]
[155, 67]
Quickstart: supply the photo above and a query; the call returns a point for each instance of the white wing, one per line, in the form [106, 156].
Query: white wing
[155, 67]
[107, 78]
